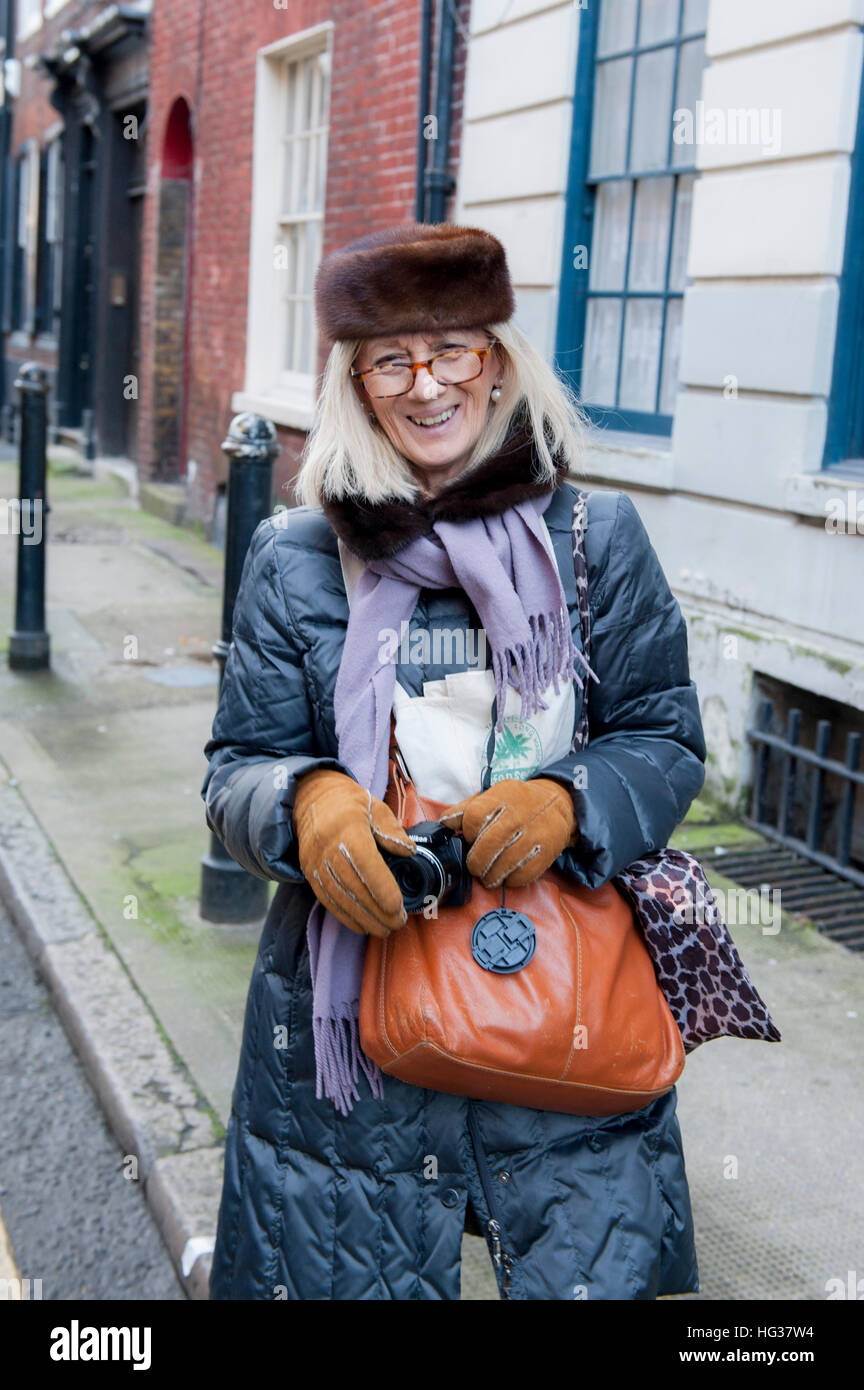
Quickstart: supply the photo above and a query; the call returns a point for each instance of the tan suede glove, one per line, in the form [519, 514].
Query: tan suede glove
[516, 829]
[339, 826]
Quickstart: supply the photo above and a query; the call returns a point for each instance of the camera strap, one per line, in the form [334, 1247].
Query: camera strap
[486, 779]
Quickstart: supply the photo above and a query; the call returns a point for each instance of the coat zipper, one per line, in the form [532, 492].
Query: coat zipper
[500, 1258]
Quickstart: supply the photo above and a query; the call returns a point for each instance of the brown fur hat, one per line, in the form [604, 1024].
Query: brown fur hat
[412, 279]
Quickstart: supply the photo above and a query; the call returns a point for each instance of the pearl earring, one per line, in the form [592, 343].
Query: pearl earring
[495, 393]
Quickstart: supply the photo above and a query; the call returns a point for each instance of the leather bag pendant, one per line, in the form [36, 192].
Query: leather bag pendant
[503, 940]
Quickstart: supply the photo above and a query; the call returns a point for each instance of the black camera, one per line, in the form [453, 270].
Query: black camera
[436, 870]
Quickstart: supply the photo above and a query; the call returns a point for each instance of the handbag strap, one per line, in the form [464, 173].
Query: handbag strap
[580, 566]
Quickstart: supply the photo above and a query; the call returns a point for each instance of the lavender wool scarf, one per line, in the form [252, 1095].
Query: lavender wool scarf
[503, 565]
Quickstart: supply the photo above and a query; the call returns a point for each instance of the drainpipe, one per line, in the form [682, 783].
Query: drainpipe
[423, 109]
[438, 180]
[7, 185]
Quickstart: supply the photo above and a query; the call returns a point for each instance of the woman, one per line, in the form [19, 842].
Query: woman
[437, 508]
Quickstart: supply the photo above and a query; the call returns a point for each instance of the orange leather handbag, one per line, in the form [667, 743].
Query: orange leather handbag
[559, 1012]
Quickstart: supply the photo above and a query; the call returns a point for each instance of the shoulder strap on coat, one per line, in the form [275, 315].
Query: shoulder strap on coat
[580, 566]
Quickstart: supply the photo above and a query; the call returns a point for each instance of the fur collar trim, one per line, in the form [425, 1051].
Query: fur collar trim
[375, 531]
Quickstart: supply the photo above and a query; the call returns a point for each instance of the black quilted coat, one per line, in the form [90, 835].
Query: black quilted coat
[373, 1205]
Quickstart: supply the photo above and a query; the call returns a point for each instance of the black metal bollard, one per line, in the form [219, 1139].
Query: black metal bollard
[228, 892]
[29, 643]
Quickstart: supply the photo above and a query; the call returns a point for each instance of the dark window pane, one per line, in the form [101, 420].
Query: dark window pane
[609, 238]
[600, 355]
[652, 111]
[652, 224]
[690, 67]
[681, 234]
[695, 16]
[609, 125]
[617, 27]
[659, 21]
[671, 357]
[641, 359]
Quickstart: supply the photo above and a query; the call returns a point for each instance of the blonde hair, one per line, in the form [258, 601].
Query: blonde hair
[344, 456]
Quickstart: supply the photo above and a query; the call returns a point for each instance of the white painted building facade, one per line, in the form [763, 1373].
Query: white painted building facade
[737, 494]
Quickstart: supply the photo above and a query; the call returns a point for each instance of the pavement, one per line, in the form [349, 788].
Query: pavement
[101, 836]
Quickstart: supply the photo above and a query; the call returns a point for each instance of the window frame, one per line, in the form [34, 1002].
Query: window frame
[15, 306]
[288, 374]
[575, 291]
[844, 434]
[25, 239]
[50, 242]
[287, 397]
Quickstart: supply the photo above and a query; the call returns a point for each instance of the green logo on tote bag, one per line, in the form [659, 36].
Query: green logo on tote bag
[518, 750]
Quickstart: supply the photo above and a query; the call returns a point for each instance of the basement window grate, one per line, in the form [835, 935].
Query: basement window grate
[833, 904]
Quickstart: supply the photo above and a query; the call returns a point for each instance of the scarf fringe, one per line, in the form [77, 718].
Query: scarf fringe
[531, 667]
[339, 1058]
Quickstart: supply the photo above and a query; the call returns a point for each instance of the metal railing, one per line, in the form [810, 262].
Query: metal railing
[792, 758]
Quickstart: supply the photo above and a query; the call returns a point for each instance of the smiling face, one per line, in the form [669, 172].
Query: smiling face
[434, 427]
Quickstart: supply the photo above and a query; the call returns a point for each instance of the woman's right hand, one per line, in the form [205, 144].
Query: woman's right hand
[339, 827]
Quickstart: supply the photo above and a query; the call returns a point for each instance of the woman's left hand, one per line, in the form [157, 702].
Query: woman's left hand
[516, 829]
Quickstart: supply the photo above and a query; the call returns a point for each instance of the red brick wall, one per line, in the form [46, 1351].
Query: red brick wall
[206, 52]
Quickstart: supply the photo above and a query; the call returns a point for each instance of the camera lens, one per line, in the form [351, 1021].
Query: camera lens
[420, 878]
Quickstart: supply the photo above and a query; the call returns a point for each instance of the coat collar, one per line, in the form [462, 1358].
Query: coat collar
[375, 531]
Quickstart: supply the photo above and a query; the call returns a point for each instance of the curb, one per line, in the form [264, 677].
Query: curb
[106, 466]
[150, 1102]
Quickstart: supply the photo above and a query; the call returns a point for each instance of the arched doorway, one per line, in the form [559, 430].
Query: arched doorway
[171, 289]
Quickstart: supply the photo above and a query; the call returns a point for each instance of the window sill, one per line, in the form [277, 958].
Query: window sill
[292, 412]
[811, 494]
[619, 457]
